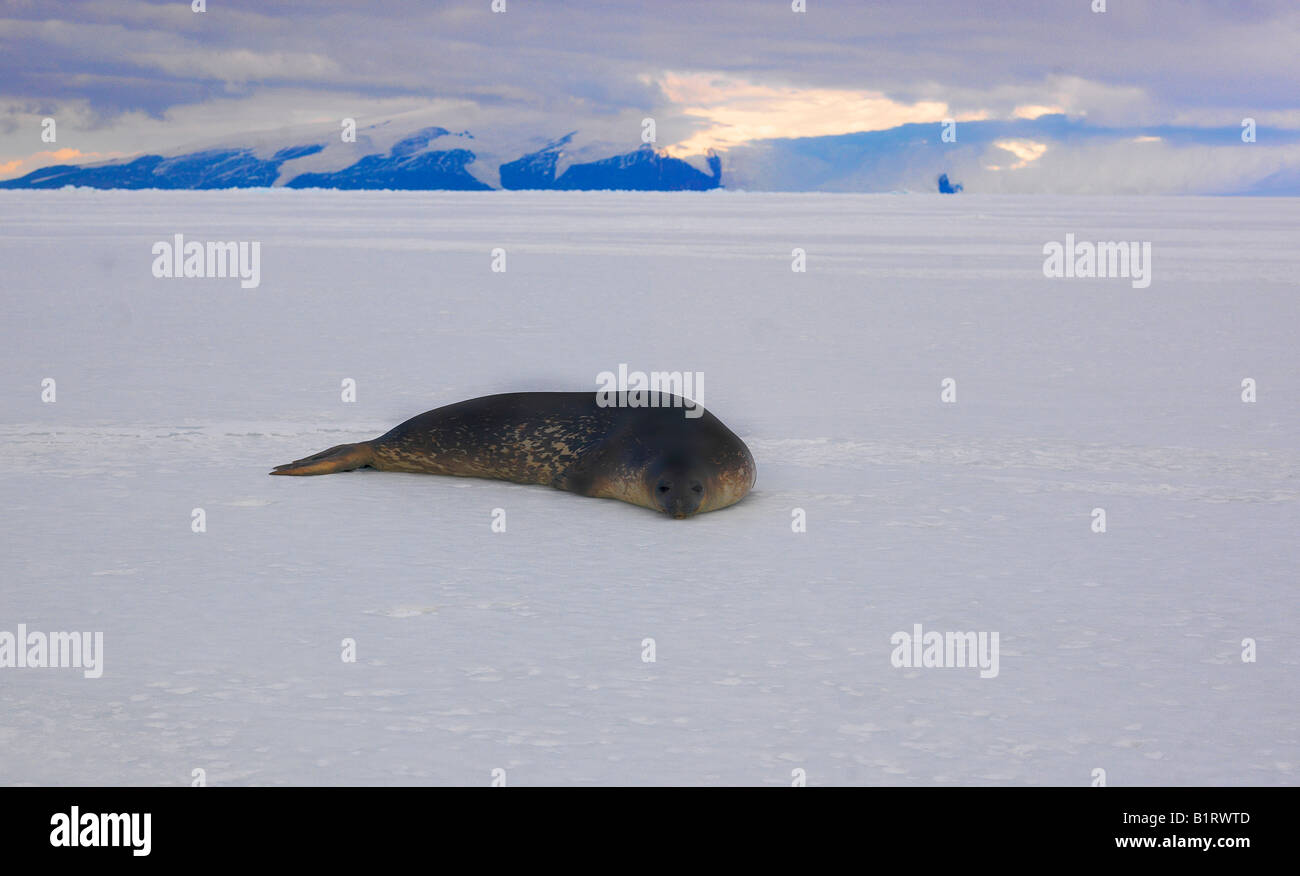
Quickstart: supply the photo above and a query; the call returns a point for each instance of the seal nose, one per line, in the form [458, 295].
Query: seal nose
[679, 498]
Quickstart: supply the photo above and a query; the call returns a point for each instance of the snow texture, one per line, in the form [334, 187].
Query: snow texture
[522, 650]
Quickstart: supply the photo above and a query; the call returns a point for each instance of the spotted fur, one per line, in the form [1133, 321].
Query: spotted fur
[656, 457]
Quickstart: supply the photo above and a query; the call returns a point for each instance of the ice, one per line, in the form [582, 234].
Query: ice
[523, 650]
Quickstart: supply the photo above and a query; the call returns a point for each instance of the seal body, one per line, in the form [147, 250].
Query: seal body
[657, 457]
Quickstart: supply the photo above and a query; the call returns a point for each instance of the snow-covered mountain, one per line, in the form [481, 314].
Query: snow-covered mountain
[385, 157]
[643, 170]
[422, 151]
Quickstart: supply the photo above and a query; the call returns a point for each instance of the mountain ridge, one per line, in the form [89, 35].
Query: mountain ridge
[417, 161]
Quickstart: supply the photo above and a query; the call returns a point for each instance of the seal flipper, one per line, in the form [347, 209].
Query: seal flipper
[581, 477]
[600, 475]
[344, 457]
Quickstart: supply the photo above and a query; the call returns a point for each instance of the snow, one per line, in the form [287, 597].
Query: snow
[522, 650]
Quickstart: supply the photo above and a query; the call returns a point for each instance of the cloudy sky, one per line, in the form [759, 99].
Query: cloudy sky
[122, 77]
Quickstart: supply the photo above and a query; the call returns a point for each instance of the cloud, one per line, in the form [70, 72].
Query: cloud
[133, 75]
[1120, 167]
[1034, 110]
[1050, 154]
[242, 65]
[738, 111]
[1026, 151]
[37, 160]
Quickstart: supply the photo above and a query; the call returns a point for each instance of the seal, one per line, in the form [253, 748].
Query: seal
[656, 457]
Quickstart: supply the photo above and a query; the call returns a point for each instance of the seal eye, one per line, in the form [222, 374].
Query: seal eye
[663, 488]
[698, 488]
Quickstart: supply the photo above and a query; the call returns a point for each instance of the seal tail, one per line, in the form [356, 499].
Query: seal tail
[344, 457]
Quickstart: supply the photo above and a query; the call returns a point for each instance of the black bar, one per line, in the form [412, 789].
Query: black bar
[332, 825]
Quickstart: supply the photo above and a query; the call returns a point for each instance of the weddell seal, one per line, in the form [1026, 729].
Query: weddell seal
[655, 457]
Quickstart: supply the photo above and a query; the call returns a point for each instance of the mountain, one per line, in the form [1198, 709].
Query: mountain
[644, 170]
[1050, 153]
[209, 169]
[409, 164]
[426, 159]
[535, 170]
[1283, 183]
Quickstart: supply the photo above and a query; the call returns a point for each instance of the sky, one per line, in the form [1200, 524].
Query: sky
[124, 77]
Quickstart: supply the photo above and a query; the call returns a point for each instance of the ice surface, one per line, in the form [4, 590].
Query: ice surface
[522, 650]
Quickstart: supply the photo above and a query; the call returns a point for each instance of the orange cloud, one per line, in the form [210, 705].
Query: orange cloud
[20, 166]
[1034, 110]
[1027, 151]
[739, 111]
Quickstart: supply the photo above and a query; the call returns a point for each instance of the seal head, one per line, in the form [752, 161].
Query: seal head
[676, 485]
